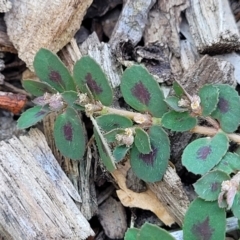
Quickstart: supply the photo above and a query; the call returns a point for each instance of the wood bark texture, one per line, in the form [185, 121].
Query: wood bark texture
[37, 196]
[51, 24]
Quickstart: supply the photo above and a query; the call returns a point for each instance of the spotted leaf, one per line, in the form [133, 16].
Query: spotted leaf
[50, 69]
[204, 221]
[178, 121]
[32, 116]
[37, 88]
[87, 71]
[142, 92]
[69, 135]
[208, 187]
[228, 110]
[152, 166]
[201, 155]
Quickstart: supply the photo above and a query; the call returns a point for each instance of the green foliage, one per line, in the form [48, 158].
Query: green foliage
[236, 205]
[71, 97]
[142, 141]
[131, 234]
[178, 121]
[37, 88]
[120, 152]
[178, 90]
[204, 220]
[68, 134]
[208, 187]
[142, 92]
[201, 155]
[87, 72]
[152, 166]
[172, 102]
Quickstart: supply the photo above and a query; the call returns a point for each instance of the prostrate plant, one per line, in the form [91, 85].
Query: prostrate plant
[140, 136]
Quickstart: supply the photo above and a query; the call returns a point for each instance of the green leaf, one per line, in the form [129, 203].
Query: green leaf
[178, 90]
[201, 155]
[236, 205]
[142, 92]
[142, 141]
[204, 221]
[209, 186]
[228, 110]
[152, 232]
[37, 88]
[87, 71]
[111, 135]
[152, 166]
[131, 234]
[178, 121]
[69, 134]
[32, 116]
[172, 102]
[70, 97]
[111, 121]
[120, 152]
[50, 69]
[230, 163]
[209, 98]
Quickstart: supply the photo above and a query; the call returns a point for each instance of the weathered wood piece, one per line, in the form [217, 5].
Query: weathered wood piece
[171, 194]
[213, 26]
[47, 23]
[36, 199]
[5, 5]
[131, 23]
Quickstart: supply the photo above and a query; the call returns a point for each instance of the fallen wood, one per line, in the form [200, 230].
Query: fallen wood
[36, 199]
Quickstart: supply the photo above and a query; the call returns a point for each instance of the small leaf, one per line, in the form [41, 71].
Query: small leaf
[228, 110]
[32, 116]
[69, 135]
[230, 163]
[178, 121]
[142, 141]
[50, 69]
[152, 166]
[208, 187]
[236, 205]
[204, 221]
[209, 98]
[142, 92]
[70, 97]
[152, 232]
[120, 152]
[131, 234]
[172, 102]
[178, 90]
[37, 88]
[111, 121]
[201, 155]
[87, 71]
[111, 135]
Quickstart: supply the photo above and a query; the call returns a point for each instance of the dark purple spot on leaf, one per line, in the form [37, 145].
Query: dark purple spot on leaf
[223, 105]
[202, 230]
[203, 152]
[214, 186]
[68, 131]
[55, 76]
[40, 113]
[141, 93]
[150, 157]
[92, 84]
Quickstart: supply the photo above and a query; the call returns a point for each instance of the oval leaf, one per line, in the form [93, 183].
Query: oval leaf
[70, 97]
[178, 90]
[50, 69]
[37, 88]
[204, 220]
[69, 135]
[236, 205]
[87, 71]
[228, 110]
[109, 122]
[142, 141]
[111, 135]
[209, 186]
[153, 232]
[178, 121]
[209, 98]
[172, 102]
[152, 166]
[201, 155]
[142, 92]
[32, 116]
[230, 163]
[120, 152]
[131, 234]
